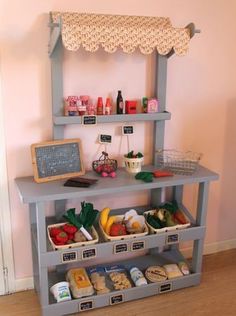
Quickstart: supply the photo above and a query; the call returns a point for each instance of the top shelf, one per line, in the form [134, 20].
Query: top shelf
[159, 116]
[31, 192]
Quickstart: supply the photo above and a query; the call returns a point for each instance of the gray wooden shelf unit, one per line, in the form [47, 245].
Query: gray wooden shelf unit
[160, 248]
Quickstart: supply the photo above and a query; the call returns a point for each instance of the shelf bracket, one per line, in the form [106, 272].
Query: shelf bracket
[54, 36]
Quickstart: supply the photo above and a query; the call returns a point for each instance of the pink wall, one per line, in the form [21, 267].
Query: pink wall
[201, 97]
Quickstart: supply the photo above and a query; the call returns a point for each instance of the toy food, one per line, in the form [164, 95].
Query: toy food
[84, 220]
[117, 229]
[183, 268]
[156, 274]
[104, 216]
[166, 215]
[172, 271]
[120, 280]
[99, 283]
[110, 221]
[135, 224]
[80, 284]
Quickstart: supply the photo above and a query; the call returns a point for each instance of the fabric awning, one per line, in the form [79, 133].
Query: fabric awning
[92, 31]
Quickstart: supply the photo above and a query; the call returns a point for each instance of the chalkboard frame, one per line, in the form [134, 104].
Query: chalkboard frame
[35, 147]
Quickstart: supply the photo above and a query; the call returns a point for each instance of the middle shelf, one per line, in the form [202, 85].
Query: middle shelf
[112, 249]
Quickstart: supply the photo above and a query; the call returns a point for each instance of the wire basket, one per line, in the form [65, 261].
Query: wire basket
[185, 163]
[104, 164]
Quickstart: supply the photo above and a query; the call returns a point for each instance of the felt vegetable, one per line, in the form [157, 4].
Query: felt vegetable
[118, 229]
[79, 236]
[155, 222]
[179, 217]
[62, 237]
[162, 173]
[169, 219]
[132, 155]
[55, 231]
[84, 220]
[104, 216]
[69, 228]
[110, 221]
[145, 176]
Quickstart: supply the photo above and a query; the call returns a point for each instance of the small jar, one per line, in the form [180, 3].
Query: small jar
[137, 277]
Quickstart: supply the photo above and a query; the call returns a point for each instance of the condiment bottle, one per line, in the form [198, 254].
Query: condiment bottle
[108, 107]
[119, 103]
[137, 276]
[100, 106]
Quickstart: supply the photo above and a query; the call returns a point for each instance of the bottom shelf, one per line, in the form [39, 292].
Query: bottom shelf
[115, 297]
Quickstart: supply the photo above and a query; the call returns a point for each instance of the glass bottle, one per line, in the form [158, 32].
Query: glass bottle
[119, 103]
[100, 106]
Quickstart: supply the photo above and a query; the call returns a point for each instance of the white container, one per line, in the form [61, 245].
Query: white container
[61, 291]
[137, 276]
[133, 165]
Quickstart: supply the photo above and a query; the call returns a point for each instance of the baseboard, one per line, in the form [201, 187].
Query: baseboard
[24, 284]
[212, 247]
[27, 283]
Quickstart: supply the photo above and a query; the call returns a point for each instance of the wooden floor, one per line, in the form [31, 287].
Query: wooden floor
[216, 295]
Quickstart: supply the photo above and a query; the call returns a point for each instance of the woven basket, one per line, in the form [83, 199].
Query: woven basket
[75, 244]
[133, 165]
[153, 230]
[123, 237]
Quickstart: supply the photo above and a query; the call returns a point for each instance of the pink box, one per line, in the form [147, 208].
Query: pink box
[152, 106]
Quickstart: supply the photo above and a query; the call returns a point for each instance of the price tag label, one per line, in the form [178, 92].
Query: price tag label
[105, 139]
[116, 299]
[172, 239]
[85, 305]
[69, 256]
[89, 119]
[121, 247]
[167, 287]
[127, 130]
[137, 245]
[89, 253]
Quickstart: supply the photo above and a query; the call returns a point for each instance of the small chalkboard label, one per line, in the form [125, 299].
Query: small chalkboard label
[167, 287]
[105, 139]
[121, 247]
[116, 299]
[128, 130]
[89, 119]
[172, 239]
[69, 256]
[86, 305]
[138, 245]
[89, 253]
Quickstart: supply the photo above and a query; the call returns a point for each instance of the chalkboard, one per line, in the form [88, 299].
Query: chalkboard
[128, 130]
[89, 253]
[89, 119]
[105, 139]
[121, 247]
[137, 245]
[57, 160]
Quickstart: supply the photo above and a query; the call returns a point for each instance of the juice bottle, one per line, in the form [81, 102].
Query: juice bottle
[108, 107]
[119, 103]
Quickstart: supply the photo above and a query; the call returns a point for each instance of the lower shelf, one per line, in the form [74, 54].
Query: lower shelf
[115, 297]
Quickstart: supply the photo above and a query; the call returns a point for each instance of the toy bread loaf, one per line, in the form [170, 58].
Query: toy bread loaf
[80, 284]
